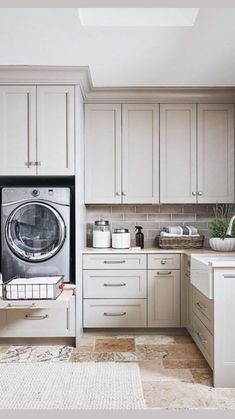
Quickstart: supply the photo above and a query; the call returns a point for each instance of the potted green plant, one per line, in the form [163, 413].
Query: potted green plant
[219, 225]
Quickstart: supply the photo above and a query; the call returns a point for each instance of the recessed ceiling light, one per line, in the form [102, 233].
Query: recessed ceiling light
[137, 16]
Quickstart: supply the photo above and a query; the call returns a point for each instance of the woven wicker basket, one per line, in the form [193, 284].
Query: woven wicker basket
[180, 242]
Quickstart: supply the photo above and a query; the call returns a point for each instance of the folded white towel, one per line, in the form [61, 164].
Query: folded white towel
[164, 234]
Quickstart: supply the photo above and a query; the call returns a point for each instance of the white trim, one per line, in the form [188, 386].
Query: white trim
[80, 75]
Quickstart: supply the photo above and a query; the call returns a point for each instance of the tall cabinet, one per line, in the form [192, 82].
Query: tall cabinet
[17, 130]
[36, 130]
[122, 157]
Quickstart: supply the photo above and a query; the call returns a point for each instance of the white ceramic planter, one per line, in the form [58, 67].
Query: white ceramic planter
[220, 245]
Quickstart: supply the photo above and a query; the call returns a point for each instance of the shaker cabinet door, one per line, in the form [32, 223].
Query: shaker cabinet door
[140, 145]
[178, 175]
[164, 298]
[55, 130]
[215, 153]
[103, 154]
[17, 130]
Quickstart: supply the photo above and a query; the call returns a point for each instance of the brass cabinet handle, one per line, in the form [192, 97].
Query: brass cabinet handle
[163, 261]
[29, 317]
[201, 338]
[115, 314]
[32, 163]
[194, 193]
[115, 285]
[200, 305]
[164, 273]
[114, 261]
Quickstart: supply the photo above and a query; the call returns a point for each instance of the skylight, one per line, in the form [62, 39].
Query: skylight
[137, 17]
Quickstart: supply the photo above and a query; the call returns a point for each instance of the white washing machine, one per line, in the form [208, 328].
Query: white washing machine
[35, 232]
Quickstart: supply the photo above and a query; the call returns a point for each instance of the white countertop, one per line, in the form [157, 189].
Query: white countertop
[91, 250]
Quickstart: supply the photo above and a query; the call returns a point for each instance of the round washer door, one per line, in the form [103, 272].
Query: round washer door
[35, 231]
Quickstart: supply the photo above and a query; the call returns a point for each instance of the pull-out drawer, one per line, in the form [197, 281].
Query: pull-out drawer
[115, 313]
[39, 318]
[114, 261]
[204, 339]
[164, 261]
[203, 308]
[114, 284]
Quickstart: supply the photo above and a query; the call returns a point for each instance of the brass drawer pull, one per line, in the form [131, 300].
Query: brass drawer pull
[114, 261]
[29, 317]
[115, 314]
[164, 273]
[201, 306]
[115, 285]
[201, 338]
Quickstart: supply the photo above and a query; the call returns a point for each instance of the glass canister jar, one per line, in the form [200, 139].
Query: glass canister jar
[101, 234]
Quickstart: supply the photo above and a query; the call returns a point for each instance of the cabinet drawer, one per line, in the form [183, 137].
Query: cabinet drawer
[114, 284]
[164, 261]
[36, 321]
[115, 313]
[204, 339]
[114, 261]
[203, 308]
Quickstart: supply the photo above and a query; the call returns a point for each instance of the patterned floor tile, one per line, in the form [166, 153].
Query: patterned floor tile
[91, 356]
[154, 371]
[184, 363]
[170, 394]
[183, 339]
[115, 345]
[150, 352]
[4, 348]
[125, 357]
[154, 340]
[203, 376]
[181, 351]
[21, 353]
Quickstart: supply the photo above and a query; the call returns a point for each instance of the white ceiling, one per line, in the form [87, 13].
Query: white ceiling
[199, 55]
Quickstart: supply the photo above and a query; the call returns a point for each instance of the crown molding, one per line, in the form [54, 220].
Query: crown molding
[47, 75]
[80, 75]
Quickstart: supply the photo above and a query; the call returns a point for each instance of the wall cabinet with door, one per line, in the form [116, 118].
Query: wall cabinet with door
[197, 153]
[36, 130]
[121, 153]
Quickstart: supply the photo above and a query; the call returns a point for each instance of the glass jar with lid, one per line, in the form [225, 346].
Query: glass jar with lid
[101, 234]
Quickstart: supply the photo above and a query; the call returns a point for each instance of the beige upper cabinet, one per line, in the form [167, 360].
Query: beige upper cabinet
[36, 130]
[215, 153]
[103, 153]
[17, 130]
[121, 153]
[55, 130]
[178, 175]
[140, 153]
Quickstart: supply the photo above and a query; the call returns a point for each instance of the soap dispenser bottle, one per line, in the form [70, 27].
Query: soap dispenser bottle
[139, 237]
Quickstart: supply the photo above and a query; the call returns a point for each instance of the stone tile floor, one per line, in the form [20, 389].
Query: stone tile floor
[173, 372]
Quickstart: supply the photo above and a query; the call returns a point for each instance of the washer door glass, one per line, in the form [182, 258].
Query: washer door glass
[35, 231]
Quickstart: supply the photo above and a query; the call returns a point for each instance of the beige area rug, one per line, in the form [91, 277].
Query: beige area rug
[70, 386]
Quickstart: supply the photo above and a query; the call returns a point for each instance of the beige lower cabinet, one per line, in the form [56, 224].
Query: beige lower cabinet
[115, 313]
[131, 290]
[186, 294]
[115, 290]
[39, 318]
[164, 298]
